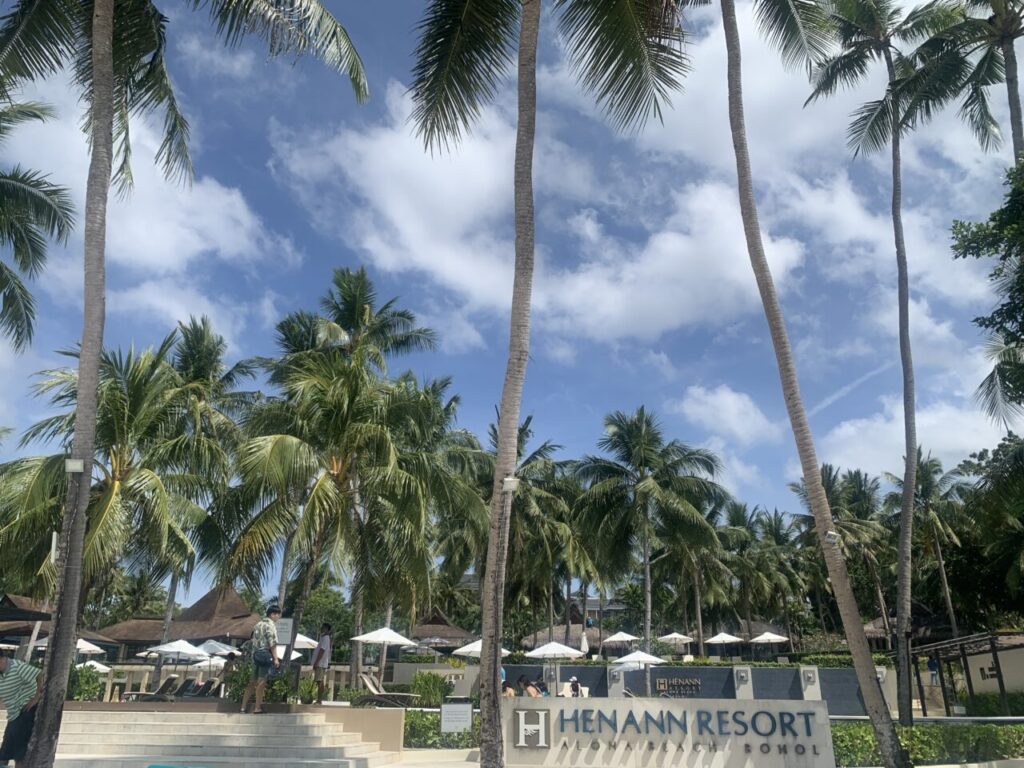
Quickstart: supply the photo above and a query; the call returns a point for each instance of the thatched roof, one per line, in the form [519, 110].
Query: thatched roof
[220, 614]
[540, 637]
[18, 608]
[930, 627]
[438, 625]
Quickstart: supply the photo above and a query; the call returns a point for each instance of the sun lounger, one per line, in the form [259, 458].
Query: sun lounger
[206, 690]
[165, 688]
[183, 690]
[378, 697]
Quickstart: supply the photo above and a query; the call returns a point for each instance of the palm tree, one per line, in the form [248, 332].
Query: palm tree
[868, 31]
[797, 30]
[32, 208]
[40, 37]
[645, 482]
[937, 504]
[629, 58]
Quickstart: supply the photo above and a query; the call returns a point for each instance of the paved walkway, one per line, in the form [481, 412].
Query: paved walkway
[428, 758]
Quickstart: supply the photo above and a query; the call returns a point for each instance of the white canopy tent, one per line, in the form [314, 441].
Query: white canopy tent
[83, 647]
[473, 650]
[768, 638]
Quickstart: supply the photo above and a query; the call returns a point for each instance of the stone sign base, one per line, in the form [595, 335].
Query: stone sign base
[656, 733]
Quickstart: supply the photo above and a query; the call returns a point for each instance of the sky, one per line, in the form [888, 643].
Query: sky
[643, 292]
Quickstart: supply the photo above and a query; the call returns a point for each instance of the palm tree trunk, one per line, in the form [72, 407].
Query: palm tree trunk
[67, 596]
[904, 557]
[165, 628]
[699, 613]
[388, 615]
[945, 587]
[492, 754]
[1013, 95]
[874, 703]
[551, 613]
[300, 603]
[748, 615]
[684, 597]
[647, 606]
[568, 608]
[356, 660]
[600, 619]
[282, 582]
[882, 607]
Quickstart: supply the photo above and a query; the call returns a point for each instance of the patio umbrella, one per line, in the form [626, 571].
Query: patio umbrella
[8, 647]
[304, 643]
[383, 637]
[723, 638]
[83, 647]
[639, 657]
[473, 650]
[675, 637]
[215, 648]
[181, 650]
[620, 638]
[554, 651]
[769, 637]
[210, 664]
[280, 653]
[101, 668]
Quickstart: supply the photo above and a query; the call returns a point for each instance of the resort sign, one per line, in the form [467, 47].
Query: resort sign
[712, 733]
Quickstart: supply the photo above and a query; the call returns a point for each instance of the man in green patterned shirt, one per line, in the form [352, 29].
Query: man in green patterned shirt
[263, 646]
[21, 685]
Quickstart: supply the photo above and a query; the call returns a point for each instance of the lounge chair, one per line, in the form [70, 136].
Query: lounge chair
[183, 690]
[204, 691]
[378, 697]
[165, 688]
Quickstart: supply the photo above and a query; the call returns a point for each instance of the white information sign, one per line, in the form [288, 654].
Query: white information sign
[284, 631]
[711, 733]
[456, 718]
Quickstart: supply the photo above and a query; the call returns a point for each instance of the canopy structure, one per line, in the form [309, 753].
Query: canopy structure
[303, 643]
[639, 657]
[620, 638]
[179, 649]
[210, 664]
[8, 647]
[675, 637]
[440, 632]
[280, 653]
[101, 668]
[81, 646]
[723, 638]
[554, 651]
[769, 637]
[215, 648]
[384, 635]
[474, 649]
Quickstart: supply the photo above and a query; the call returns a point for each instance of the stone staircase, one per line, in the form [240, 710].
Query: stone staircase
[134, 739]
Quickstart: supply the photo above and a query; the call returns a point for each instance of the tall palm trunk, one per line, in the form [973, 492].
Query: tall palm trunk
[72, 541]
[945, 586]
[492, 753]
[165, 627]
[382, 665]
[647, 605]
[684, 598]
[874, 703]
[551, 613]
[883, 609]
[904, 557]
[303, 598]
[698, 612]
[1013, 95]
[356, 660]
[568, 608]
[282, 582]
[600, 620]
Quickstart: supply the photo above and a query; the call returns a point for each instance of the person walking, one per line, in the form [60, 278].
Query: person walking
[264, 658]
[322, 660]
[21, 685]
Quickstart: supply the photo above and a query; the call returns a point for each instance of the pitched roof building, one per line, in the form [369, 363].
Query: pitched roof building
[220, 614]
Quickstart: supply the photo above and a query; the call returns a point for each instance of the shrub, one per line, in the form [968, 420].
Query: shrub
[990, 705]
[431, 688]
[348, 694]
[423, 731]
[239, 677]
[84, 684]
[840, 660]
[418, 658]
[930, 744]
[307, 690]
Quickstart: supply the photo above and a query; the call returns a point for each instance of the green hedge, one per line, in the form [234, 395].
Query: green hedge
[930, 744]
[854, 742]
[431, 688]
[990, 705]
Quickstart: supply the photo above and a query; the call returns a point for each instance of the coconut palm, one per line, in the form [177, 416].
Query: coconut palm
[644, 482]
[32, 209]
[119, 64]
[798, 30]
[870, 31]
[937, 505]
[625, 54]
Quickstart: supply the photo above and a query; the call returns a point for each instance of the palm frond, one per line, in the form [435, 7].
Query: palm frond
[799, 29]
[38, 38]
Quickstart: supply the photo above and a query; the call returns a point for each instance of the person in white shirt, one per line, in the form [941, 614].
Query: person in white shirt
[321, 661]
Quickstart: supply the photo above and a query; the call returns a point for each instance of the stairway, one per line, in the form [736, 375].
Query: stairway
[133, 739]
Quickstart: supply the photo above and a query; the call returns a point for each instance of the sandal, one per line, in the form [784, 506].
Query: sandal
[257, 711]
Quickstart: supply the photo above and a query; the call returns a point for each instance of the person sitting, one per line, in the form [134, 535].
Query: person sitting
[542, 687]
[507, 689]
[528, 688]
[574, 687]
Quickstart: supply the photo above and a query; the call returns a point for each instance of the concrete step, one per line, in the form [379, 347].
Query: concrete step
[255, 727]
[211, 740]
[306, 751]
[184, 761]
[170, 716]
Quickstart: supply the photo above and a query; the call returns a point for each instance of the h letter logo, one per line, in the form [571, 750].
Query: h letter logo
[531, 728]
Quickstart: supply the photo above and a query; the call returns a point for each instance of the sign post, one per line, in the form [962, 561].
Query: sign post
[456, 717]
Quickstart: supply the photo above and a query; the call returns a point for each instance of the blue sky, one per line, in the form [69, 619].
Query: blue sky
[643, 290]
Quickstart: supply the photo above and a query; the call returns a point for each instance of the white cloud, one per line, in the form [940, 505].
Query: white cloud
[456, 332]
[167, 302]
[726, 413]
[204, 59]
[875, 443]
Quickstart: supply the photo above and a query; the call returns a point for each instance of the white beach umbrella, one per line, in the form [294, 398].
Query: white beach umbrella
[210, 664]
[101, 668]
[639, 657]
[8, 647]
[723, 638]
[770, 637]
[81, 646]
[619, 638]
[304, 643]
[554, 651]
[383, 636]
[215, 648]
[179, 649]
[675, 637]
[280, 653]
[474, 649]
